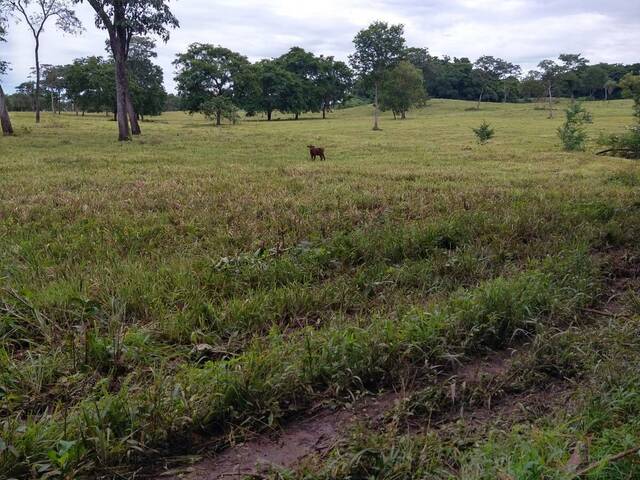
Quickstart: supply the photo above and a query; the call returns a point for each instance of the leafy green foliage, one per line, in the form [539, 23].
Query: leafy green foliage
[484, 132]
[145, 78]
[572, 133]
[220, 107]
[630, 85]
[378, 47]
[402, 89]
[207, 76]
[627, 144]
[89, 83]
[266, 86]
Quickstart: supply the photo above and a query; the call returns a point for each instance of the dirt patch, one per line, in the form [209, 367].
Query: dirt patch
[296, 441]
[318, 433]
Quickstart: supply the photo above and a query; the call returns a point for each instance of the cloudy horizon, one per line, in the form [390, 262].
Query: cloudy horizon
[521, 31]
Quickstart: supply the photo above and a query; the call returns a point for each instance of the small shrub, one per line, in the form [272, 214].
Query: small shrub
[625, 145]
[484, 133]
[628, 144]
[572, 133]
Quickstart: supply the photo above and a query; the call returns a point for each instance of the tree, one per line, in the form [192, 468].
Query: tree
[450, 78]
[572, 65]
[36, 14]
[266, 86]
[486, 74]
[53, 83]
[332, 83]
[550, 71]
[508, 74]
[145, 78]
[5, 120]
[205, 73]
[402, 89]
[593, 79]
[532, 86]
[304, 65]
[378, 47]
[124, 19]
[609, 87]
[89, 83]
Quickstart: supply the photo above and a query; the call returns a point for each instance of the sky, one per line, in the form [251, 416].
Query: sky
[521, 31]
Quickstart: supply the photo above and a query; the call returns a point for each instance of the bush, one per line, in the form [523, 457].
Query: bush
[626, 145]
[572, 132]
[484, 133]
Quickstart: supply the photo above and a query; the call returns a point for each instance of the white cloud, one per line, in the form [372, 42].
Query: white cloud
[523, 31]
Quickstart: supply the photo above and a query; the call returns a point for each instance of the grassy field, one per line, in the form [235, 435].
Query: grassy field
[204, 282]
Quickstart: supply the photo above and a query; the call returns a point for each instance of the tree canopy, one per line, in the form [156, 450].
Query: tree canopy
[402, 89]
[206, 72]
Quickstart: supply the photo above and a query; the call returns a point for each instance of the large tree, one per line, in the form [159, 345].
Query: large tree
[402, 89]
[207, 73]
[5, 121]
[379, 47]
[89, 84]
[333, 82]
[305, 66]
[124, 19]
[571, 66]
[36, 14]
[266, 86]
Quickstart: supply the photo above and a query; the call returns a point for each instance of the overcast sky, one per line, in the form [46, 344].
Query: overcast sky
[522, 31]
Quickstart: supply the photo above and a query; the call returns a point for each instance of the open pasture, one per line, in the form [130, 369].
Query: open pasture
[205, 282]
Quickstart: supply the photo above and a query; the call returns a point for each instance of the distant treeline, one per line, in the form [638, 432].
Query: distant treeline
[219, 82]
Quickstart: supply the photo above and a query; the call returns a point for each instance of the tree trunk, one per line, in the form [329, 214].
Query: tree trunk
[218, 118]
[37, 99]
[133, 117]
[269, 115]
[5, 121]
[480, 99]
[550, 104]
[124, 133]
[297, 115]
[606, 94]
[375, 108]
[324, 111]
[403, 115]
[506, 93]
[53, 104]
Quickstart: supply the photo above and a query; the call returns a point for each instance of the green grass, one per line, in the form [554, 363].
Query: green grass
[202, 279]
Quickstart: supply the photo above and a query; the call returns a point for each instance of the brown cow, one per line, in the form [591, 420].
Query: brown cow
[316, 152]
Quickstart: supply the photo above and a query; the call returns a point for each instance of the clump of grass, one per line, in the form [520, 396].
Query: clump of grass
[277, 376]
[601, 415]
